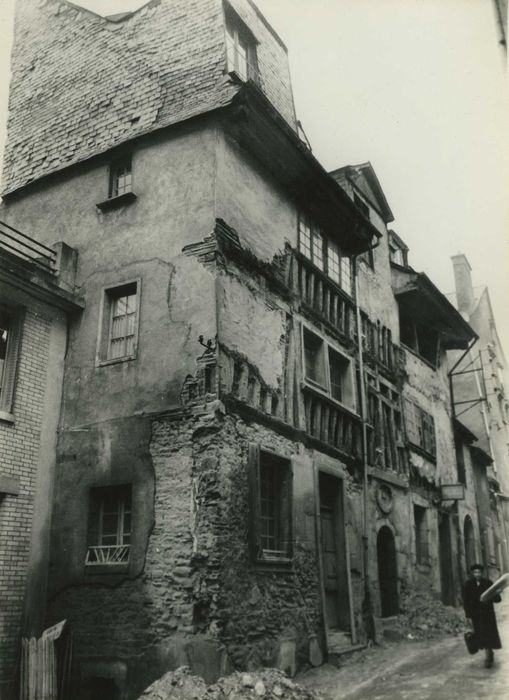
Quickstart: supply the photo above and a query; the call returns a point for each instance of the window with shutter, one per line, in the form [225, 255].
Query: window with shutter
[270, 492]
[420, 428]
[10, 342]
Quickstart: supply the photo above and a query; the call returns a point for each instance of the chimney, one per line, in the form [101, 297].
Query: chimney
[463, 282]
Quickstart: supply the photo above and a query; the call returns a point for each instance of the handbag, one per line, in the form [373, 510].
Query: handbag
[471, 642]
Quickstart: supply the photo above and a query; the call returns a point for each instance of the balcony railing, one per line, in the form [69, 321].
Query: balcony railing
[321, 294]
[109, 555]
[332, 424]
[17, 243]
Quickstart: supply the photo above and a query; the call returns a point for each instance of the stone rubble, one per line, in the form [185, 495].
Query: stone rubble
[268, 683]
[423, 616]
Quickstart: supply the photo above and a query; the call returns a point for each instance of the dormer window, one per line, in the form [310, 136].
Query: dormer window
[120, 184]
[240, 48]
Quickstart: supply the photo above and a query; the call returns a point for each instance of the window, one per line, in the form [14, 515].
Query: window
[109, 538]
[270, 478]
[119, 323]
[325, 254]
[384, 428]
[460, 460]
[327, 369]
[368, 256]
[420, 428]
[120, 177]
[314, 358]
[240, 48]
[361, 205]
[10, 341]
[421, 339]
[421, 535]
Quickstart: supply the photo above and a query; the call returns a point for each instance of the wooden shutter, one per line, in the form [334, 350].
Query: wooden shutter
[11, 363]
[253, 470]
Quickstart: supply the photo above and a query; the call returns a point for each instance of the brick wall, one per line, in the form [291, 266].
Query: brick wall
[19, 446]
[82, 84]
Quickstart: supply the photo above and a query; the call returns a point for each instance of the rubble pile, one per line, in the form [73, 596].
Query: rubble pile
[266, 684]
[423, 616]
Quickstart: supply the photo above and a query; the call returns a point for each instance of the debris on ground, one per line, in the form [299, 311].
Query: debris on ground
[266, 684]
[424, 616]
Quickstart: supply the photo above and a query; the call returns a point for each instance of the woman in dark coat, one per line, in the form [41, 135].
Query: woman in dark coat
[481, 615]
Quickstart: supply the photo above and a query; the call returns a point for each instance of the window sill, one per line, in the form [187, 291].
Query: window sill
[273, 564]
[116, 202]
[423, 453]
[6, 417]
[114, 361]
[91, 569]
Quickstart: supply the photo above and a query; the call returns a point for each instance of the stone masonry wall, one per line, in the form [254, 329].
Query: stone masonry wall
[200, 599]
[19, 448]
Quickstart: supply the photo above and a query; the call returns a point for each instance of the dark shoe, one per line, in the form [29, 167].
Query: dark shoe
[489, 659]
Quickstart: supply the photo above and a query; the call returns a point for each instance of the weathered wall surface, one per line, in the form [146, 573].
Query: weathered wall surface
[163, 64]
[199, 591]
[430, 389]
[20, 455]
[142, 241]
[252, 203]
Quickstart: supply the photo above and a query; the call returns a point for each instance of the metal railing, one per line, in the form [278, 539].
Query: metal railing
[17, 243]
[108, 555]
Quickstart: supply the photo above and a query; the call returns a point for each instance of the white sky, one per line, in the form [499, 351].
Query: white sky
[418, 87]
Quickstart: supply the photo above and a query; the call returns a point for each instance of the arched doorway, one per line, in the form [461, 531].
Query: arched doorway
[387, 572]
[469, 542]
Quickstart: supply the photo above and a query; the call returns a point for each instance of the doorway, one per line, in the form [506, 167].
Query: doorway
[387, 572]
[446, 572]
[334, 559]
[469, 542]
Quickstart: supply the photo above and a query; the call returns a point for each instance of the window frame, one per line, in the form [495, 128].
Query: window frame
[261, 556]
[368, 257]
[114, 167]
[385, 398]
[423, 421]
[122, 494]
[418, 329]
[421, 535]
[10, 369]
[240, 32]
[326, 388]
[344, 261]
[104, 336]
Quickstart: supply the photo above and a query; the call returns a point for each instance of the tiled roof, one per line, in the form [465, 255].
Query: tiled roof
[82, 84]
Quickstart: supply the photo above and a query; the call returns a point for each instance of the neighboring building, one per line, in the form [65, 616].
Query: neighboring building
[224, 494]
[480, 400]
[500, 7]
[37, 300]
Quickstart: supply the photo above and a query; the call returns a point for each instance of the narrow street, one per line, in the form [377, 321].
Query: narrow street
[428, 670]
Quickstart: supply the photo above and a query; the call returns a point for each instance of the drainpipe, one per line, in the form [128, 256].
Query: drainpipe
[367, 603]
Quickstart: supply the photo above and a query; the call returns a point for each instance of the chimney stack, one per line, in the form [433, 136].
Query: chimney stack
[463, 283]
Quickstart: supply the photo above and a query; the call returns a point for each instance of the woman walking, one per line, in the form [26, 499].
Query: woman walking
[481, 616]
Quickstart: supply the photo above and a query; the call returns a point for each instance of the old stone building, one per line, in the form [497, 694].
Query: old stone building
[480, 400]
[37, 299]
[237, 483]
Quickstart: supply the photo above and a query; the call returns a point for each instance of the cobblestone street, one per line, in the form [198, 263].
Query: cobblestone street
[430, 670]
